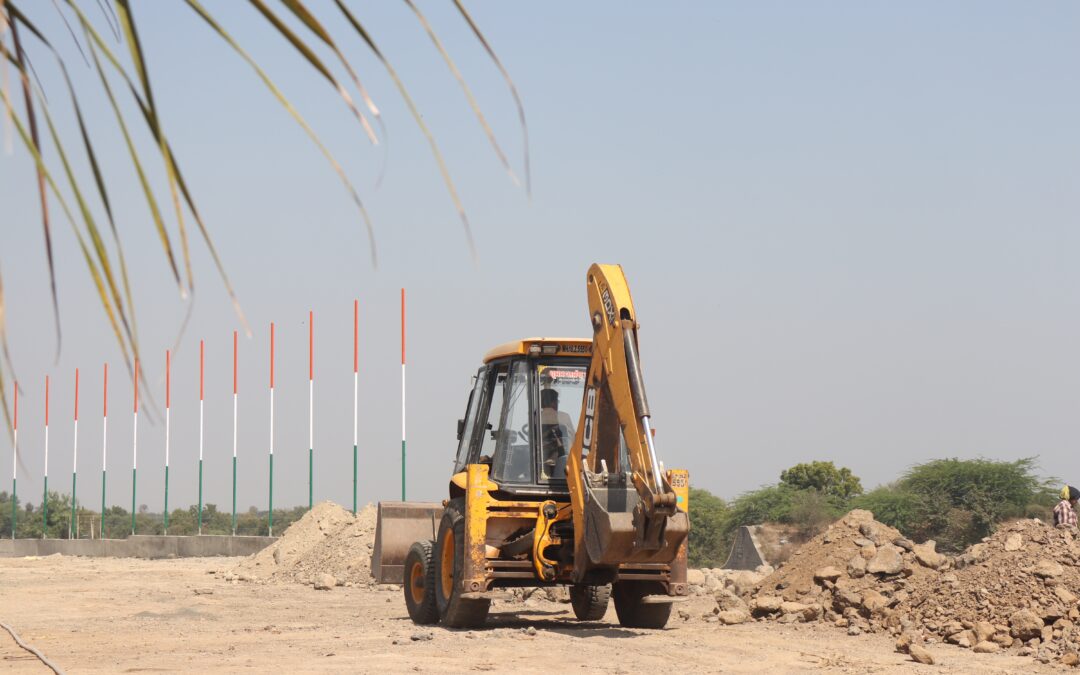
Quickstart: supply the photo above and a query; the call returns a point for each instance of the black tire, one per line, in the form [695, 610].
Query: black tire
[633, 612]
[454, 610]
[590, 603]
[419, 583]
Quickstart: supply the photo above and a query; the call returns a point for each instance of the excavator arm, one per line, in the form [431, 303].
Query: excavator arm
[625, 509]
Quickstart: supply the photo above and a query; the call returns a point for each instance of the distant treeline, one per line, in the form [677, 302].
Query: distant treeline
[118, 520]
[954, 502]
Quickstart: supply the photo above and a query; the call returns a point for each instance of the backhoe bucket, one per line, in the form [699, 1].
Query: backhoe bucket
[617, 532]
[399, 525]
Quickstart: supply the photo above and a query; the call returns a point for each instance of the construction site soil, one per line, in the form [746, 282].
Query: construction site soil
[820, 611]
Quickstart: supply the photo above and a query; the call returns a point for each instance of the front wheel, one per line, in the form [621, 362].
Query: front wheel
[590, 603]
[420, 583]
[632, 609]
[454, 610]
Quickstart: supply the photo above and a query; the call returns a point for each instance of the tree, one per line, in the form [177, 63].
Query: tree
[80, 198]
[839, 484]
[708, 516]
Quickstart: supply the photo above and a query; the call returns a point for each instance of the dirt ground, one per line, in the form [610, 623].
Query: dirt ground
[120, 615]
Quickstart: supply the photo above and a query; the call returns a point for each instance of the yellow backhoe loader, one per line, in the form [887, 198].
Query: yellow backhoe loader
[556, 482]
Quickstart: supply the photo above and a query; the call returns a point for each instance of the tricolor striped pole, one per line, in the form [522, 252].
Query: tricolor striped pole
[15, 464]
[402, 394]
[74, 459]
[355, 391]
[234, 432]
[168, 402]
[311, 409]
[270, 511]
[104, 442]
[134, 445]
[201, 355]
[45, 497]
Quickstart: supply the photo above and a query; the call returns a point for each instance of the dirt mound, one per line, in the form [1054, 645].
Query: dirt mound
[327, 540]
[1013, 591]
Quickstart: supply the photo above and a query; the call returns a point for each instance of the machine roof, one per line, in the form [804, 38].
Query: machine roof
[567, 346]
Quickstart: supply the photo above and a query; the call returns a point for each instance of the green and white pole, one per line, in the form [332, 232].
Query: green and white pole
[202, 352]
[104, 443]
[74, 459]
[45, 496]
[134, 445]
[270, 511]
[234, 397]
[355, 392]
[168, 401]
[311, 409]
[15, 464]
[402, 394]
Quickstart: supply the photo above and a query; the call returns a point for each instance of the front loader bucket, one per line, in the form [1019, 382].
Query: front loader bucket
[399, 525]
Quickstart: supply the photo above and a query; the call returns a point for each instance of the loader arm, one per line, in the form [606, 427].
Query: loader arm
[624, 507]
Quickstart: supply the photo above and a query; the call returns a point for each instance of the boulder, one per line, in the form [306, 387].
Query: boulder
[1014, 542]
[732, 617]
[829, 573]
[874, 602]
[1070, 659]
[764, 605]
[856, 567]
[1025, 625]
[921, 655]
[886, 561]
[1066, 596]
[726, 600]
[986, 647]
[743, 581]
[695, 577]
[325, 582]
[928, 556]
[984, 630]
[1048, 569]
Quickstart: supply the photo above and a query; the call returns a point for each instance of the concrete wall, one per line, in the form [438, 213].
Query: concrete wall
[138, 546]
[745, 553]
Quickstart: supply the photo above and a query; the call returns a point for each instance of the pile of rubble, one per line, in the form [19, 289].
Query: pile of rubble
[1013, 591]
[327, 547]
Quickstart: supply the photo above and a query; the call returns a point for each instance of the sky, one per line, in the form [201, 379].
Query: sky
[850, 229]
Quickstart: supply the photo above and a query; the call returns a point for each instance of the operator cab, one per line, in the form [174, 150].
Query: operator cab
[522, 414]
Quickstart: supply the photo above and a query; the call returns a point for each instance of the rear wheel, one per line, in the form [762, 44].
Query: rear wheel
[590, 603]
[420, 583]
[632, 609]
[454, 610]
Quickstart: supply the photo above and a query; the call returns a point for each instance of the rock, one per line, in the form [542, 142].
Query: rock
[733, 617]
[829, 573]
[277, 555]
[886, 561]
[726, 600]
[903, 543]
[856, 567]
[1014, 542]
[1070, 659]
[695, 577]
[984, 630]
[874, 532]
[846, 596]
[860, 542]
[904, 642]
[854, 630]
[928, 556]
[764, 605]
[986, 647]
[421, 637]
[764, 570]
[921, 655]
[203, 591]
[1025, 624]
[1048, 569]
[325, 582]
[874, 602]
[1065, 596]
[743, 582]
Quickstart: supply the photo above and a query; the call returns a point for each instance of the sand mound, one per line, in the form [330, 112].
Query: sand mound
[328, 539]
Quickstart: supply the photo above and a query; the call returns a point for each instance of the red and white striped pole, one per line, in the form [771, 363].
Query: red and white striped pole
[202, 351]
[234, 399]
[45, 497]
[311, 408]
[134, 444]
[402, 394]
[104, 441]
[355, 393]
[15, 465]
[74, 459]
[270, 511]
[168, 403]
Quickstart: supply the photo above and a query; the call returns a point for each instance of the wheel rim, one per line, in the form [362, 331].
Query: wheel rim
[416, 583]
[446, 566]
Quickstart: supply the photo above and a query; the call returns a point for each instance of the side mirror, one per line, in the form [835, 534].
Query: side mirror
[460, 429]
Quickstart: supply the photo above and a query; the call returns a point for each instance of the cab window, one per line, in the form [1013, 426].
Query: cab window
[560, 388]
[512, 461]
[465, 442]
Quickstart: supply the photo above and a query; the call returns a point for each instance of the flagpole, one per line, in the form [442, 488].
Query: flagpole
[270, 511]
[104, 442]
[234, 397]
[201, 359]
[355, 393]
[45, 498]
[134, 444]
[311, 409]
[74, 459]
[402, 394]
[15, 465]
[168, 402]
